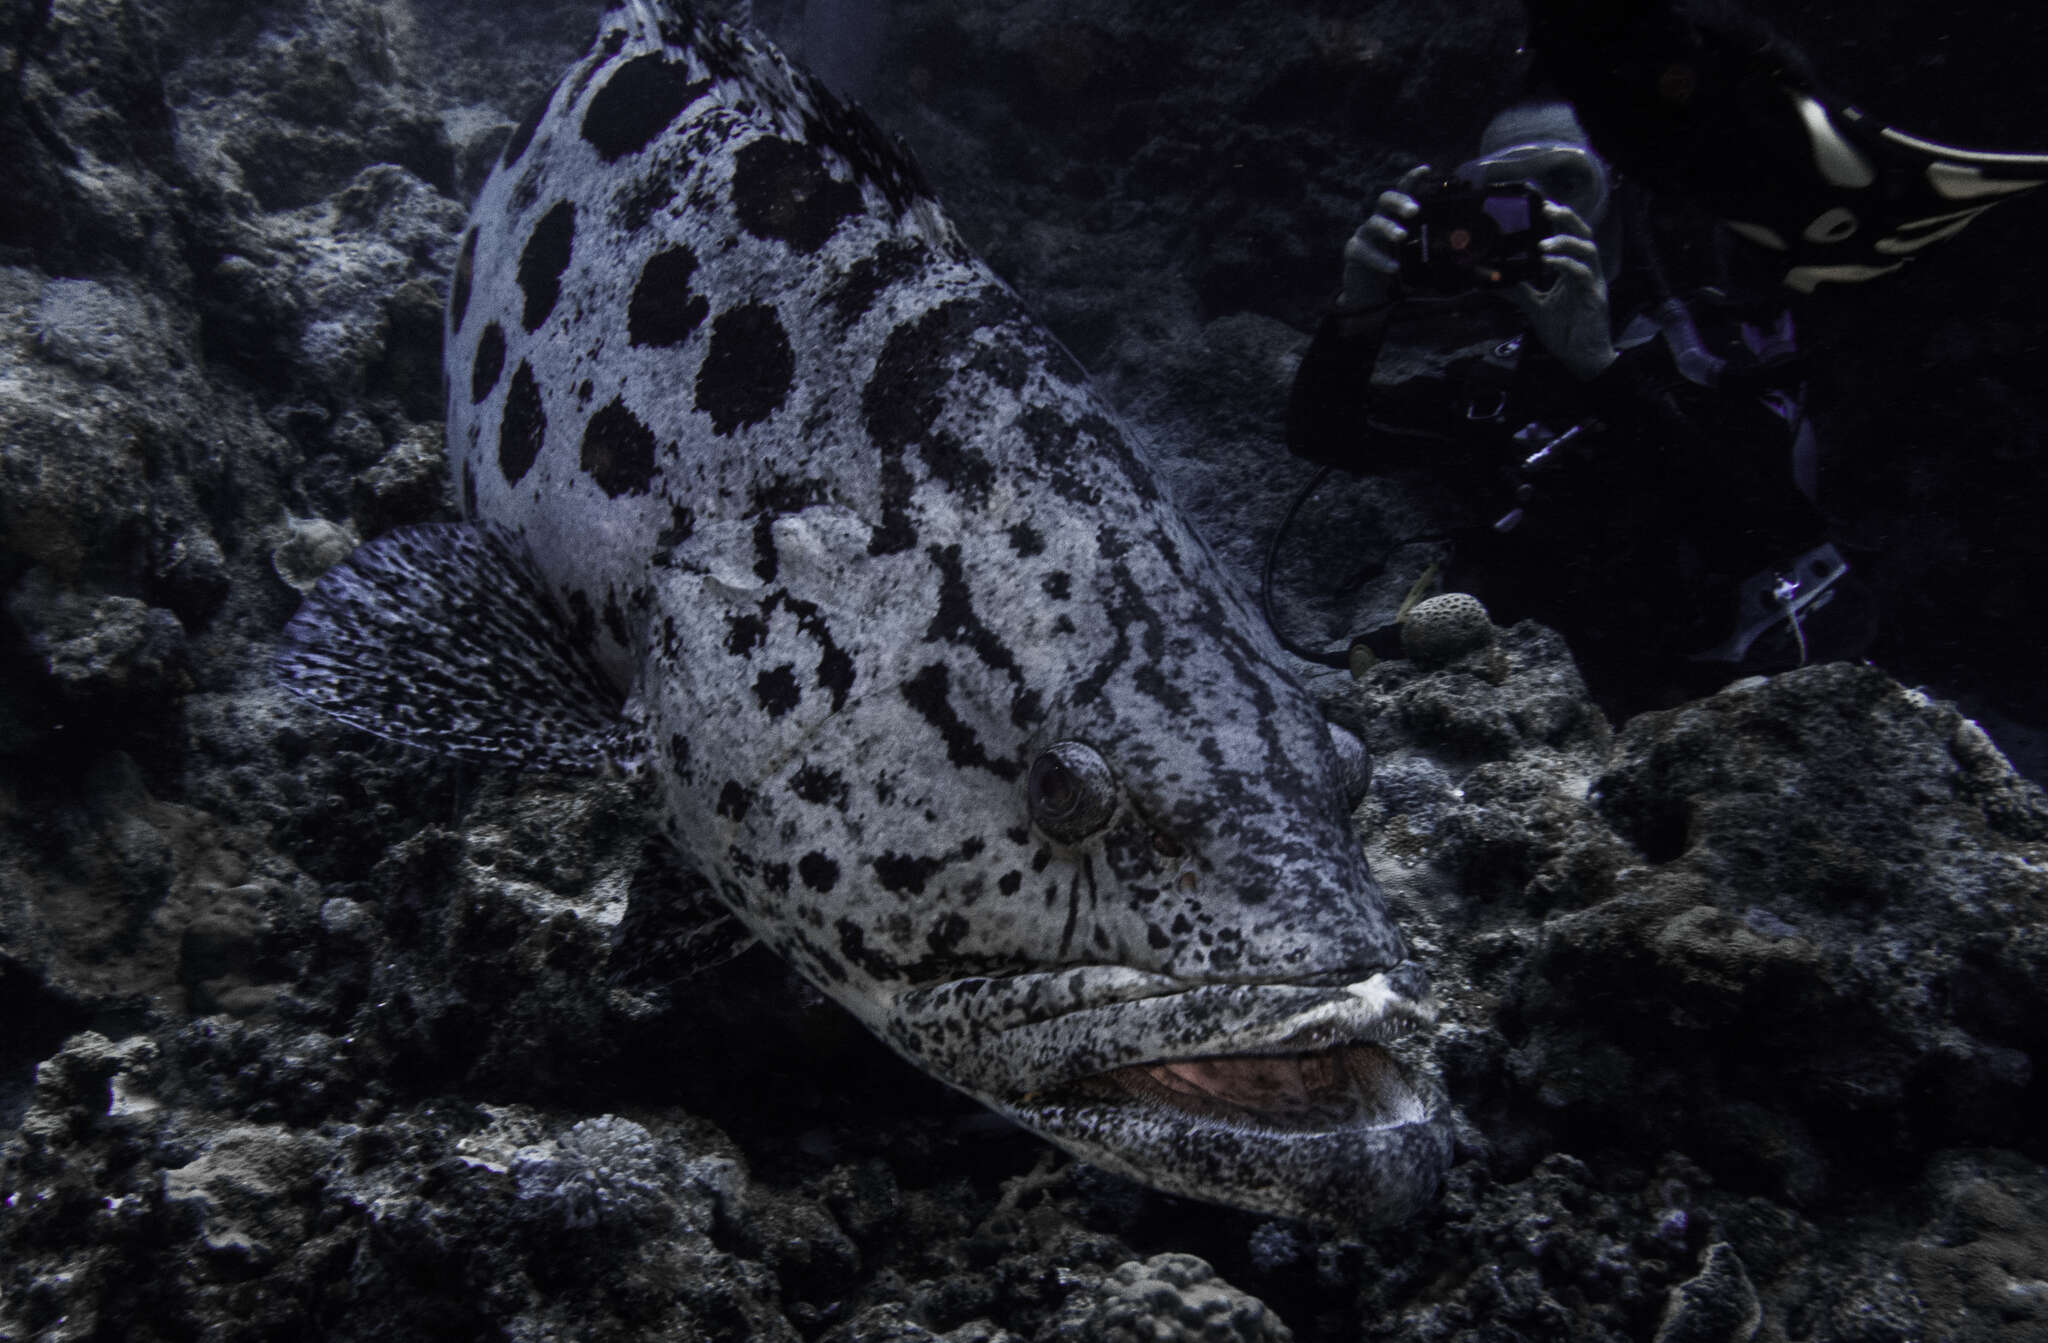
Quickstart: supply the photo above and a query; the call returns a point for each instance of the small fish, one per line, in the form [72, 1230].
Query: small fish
[774, 490]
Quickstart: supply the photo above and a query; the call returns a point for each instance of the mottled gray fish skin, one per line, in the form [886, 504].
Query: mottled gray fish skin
[859, 546]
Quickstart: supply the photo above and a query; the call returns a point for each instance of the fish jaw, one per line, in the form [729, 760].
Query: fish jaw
[1282, 1098]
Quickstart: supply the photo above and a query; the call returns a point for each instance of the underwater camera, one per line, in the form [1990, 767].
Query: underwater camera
[1474, 236]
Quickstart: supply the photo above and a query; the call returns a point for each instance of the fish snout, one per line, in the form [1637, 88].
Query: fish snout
[1291, 1098]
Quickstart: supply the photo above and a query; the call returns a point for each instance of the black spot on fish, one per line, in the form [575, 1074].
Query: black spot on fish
[1005, 362]
[586, 389]
[634, 204]
[835, 669]
[465, 279]
[1168, 549]
[1027, 709]
[1151, 681]
[748, 370]
[824, 787]
[781, 191]
[817, 871]
[1025, 540]
[1156, 937]
[788, 494]
[637, 103]
[524, 426]
[775, 876]
[618, 451]
[958, 466]
[734, 801]
[489, 364]
[950, 931]
[853, 295]
[902, 397]
[522, 134]
[928, 693]
[679, 753]
[895, 533]
[1129, 608]
[1010, 882]
[468, 490]
[902, 400]
[542, 263]
[835, 672]
[662, 310]
[1057, 585]
[776, 690]
[682, 521]
[853, 946]
[955, 620]
[743, 634]
[615, 621]
[905, 874]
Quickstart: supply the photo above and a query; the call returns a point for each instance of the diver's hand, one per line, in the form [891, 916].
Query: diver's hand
[1570, 317]
[1373, 254]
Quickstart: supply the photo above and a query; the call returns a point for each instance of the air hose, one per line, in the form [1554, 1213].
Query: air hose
[1330, 658]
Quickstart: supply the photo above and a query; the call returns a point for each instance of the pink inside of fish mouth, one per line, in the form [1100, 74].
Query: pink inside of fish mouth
[1343, 1087]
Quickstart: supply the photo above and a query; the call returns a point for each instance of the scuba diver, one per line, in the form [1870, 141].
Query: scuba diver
[1635, 465]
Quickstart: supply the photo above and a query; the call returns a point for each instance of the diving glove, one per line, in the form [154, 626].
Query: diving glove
[1571, 317]
[1372, 256]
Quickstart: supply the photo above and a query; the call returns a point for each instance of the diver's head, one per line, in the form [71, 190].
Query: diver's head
[1543, 143]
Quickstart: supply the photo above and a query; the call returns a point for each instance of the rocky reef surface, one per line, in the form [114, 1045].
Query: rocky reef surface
[1745, 1002]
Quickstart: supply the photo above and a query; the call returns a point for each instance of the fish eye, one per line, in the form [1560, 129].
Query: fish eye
[1071, 790]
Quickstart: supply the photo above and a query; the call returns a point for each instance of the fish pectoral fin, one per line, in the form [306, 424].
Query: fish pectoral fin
[675, 925]
[435, 636]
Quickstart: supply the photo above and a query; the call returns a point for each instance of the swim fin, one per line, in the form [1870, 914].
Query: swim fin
[1699, 98]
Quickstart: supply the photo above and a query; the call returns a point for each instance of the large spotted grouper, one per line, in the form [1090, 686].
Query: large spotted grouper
[773, 489]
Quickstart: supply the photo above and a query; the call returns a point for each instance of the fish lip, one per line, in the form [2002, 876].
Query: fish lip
[1372, 1012]
[1352, 1131]
[1008, 1038]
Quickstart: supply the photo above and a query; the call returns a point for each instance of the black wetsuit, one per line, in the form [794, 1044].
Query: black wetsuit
[1631, 542]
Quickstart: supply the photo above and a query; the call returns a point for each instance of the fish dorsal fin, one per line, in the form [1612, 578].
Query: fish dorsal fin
[437, 637]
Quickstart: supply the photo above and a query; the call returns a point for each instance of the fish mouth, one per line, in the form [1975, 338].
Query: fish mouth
[1359, 1087]
[1302, 1100]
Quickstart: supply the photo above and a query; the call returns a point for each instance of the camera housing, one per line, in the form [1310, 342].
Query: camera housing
[1474, 236]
